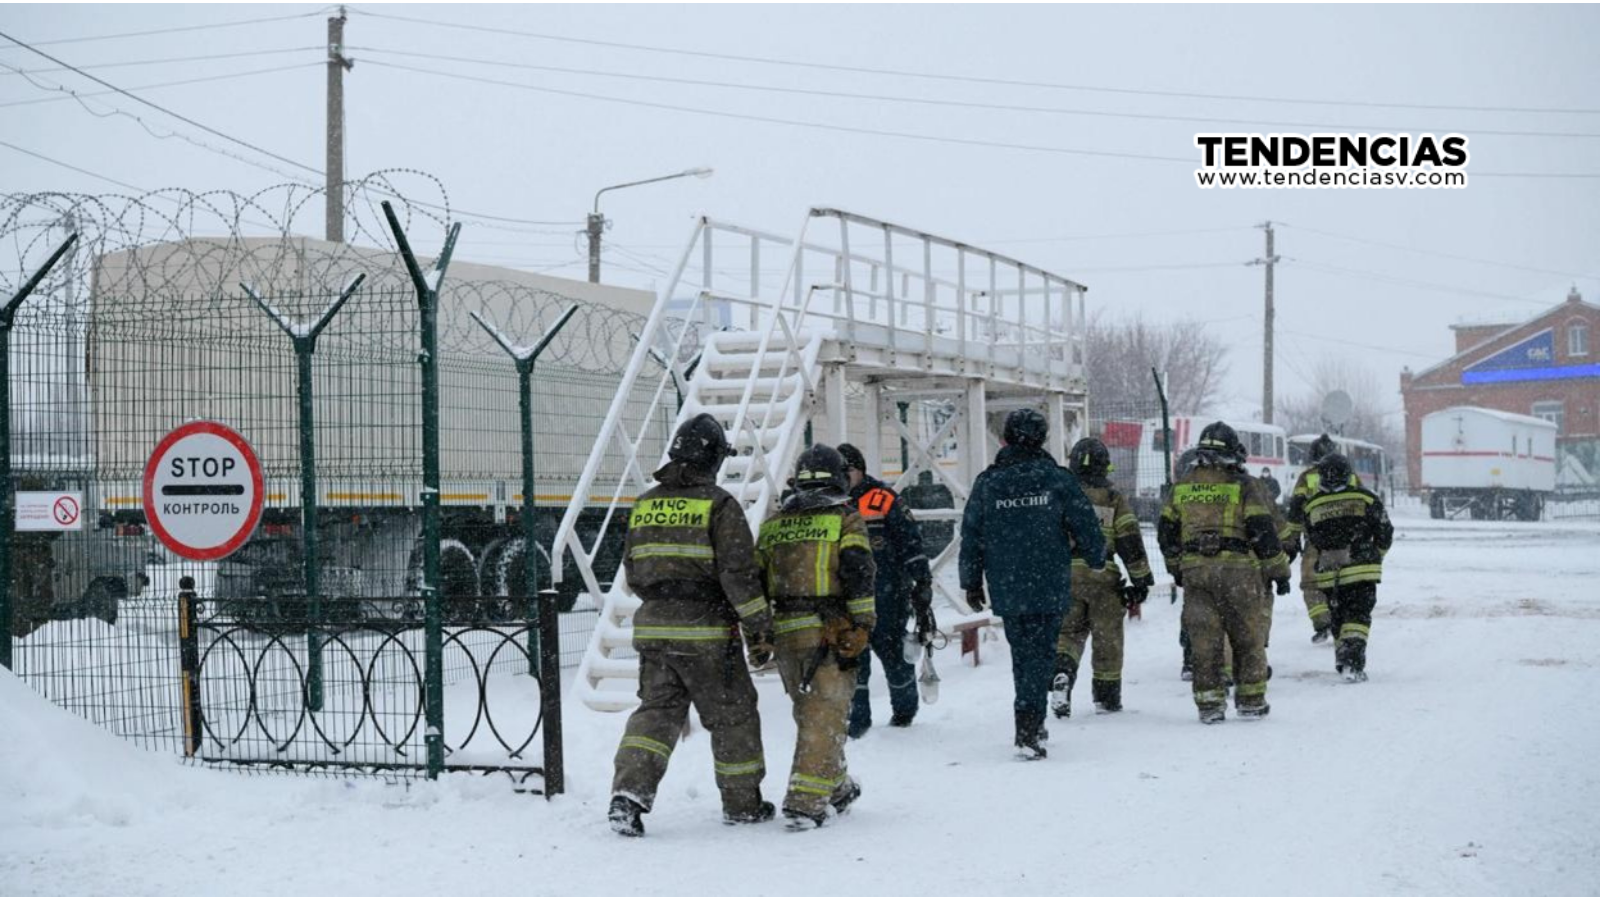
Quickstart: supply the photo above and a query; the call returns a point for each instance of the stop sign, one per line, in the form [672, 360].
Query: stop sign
[203, 491]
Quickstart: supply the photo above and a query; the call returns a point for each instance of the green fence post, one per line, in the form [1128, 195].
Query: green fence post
[303, 336]
[525, 358]
[8, 499]
[544, 634]
[427, 285]
[1166, 450]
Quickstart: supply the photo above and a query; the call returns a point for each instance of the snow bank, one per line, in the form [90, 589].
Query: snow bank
[1463, 767]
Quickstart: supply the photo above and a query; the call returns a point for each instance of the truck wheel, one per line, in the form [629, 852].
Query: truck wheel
[102, 598]
[1436, 506]
[510, 578]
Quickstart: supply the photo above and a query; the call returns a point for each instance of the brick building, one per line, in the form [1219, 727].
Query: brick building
[1548, 366]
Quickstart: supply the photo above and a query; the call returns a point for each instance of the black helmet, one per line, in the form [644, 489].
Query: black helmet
[1026, 427]
[853, 458]
[1321, 447]
[700, 442]
[1334, 473]
[1221, 444]
[820, 468]
[1089, 459]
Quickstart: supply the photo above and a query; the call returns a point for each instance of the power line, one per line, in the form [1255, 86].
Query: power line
[74, 95]
[1322, 338]
[976, 79]
[774, 120]
[57, 162]
[159, 108]
[961, 104]
[172, 59]
[1408, 249]
[874, 132]
[1408, 282]
[180, 28]
[169, 135]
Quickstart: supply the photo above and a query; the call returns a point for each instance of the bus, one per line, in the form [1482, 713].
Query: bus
[1367, 459]
[1265, 448]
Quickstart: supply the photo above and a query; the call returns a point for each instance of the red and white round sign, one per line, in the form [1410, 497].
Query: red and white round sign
[203, 491]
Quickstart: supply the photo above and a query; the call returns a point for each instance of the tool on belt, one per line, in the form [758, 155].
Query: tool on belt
[808, 672]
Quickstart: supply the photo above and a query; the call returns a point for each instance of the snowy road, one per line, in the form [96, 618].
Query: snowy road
[1464, 767]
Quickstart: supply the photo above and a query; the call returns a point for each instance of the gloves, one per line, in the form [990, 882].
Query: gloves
[922, 596]
[926, 626]
[847, 639]
[760, 649]
[1135, 594]
[977, 600]
[1283, 585]
[1177, 576]
[1291, 548]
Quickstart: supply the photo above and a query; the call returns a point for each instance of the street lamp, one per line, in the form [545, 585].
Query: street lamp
[597, 222]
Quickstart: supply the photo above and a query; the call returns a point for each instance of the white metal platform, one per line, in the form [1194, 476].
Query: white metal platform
[861, 312]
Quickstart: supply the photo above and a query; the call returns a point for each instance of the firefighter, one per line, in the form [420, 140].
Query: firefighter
[1100, 598]
[1304, 487]
[1024, 516]
[816, 564]
[1350, 530]
[1216, 534]
[689, 557]
[904, 585]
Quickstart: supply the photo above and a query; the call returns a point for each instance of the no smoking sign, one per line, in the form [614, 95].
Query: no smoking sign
[203, 491]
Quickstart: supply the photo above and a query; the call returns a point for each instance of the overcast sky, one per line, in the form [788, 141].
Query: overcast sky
[1137, 231]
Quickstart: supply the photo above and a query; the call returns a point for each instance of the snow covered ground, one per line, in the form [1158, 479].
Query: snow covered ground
[1465, 766]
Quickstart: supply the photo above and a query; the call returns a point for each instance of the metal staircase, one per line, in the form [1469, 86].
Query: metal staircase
[837, 338]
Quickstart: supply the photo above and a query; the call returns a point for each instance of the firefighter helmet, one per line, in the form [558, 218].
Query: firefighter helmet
[820, 468]
[1334, 473]
[700, 442]
[1090, 459]
[1321, 447]
[1220, 445]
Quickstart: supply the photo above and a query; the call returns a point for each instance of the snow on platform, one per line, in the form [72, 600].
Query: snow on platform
[1465, 766]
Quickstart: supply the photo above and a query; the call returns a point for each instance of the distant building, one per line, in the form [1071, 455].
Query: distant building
[1548, 366]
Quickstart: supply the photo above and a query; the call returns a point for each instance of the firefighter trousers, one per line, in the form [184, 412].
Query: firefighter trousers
[714, 679]
[818, 773]
[1316, 599]
[1221, 602]
[1352, 619]
[1096, 612]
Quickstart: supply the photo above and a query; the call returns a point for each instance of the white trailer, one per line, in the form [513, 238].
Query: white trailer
[1487, 464]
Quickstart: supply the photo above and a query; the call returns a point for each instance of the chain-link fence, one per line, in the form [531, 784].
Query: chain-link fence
[319, 639]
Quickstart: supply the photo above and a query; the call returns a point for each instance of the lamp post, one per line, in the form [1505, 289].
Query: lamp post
[597, 222]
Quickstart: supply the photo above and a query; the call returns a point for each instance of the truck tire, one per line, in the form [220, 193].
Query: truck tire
[1436, 506]
[509, 577]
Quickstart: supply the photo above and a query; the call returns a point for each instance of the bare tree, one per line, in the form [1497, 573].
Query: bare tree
[1302, 413]
[1122, 353]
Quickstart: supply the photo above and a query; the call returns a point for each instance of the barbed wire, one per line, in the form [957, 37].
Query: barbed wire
[171, 257]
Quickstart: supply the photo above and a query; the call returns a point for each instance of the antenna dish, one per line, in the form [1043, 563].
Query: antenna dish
[1336, 408]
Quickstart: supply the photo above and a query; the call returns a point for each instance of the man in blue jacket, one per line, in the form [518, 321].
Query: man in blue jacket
[1023, 518]
[903, 576]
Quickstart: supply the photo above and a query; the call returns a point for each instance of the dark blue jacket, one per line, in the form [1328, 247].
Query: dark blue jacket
[896, 540]
[1022, 520]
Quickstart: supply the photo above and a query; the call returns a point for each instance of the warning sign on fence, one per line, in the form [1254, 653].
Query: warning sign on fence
[202, 490]
[49, 510]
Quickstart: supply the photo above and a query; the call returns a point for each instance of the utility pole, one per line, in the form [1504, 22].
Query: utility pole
[1266, 321]
[333, 170]
[597, 224]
